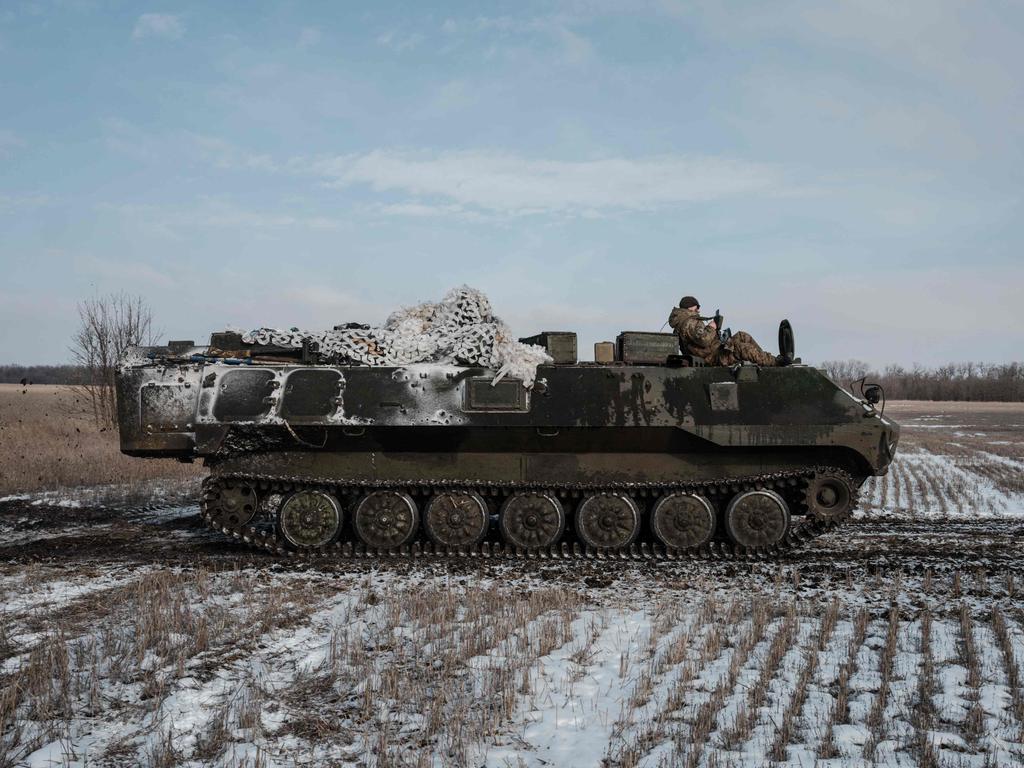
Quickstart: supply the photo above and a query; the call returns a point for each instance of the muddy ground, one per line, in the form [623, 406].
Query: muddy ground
[175, 536]
[130, 634]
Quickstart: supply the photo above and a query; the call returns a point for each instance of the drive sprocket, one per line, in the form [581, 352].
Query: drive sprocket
[231, 504]
[829, 495]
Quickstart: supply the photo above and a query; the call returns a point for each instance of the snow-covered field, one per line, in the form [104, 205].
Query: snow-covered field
[134, 637]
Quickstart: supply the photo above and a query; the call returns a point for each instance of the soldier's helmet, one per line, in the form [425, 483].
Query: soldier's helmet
[688, 301]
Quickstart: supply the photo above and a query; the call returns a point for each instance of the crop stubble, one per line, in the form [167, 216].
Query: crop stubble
[153, 642]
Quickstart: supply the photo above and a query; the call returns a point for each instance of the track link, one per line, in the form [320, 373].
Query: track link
[791, 485]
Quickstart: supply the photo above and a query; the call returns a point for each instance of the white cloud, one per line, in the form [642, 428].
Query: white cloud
[20, 202]
[398, 42]
[576, 49]
[308, 37]
[511, 184]
[964, 57]
[303, 298]
[136, 274]
[224, 154]
[163, 25]
[489, 183]
[9, 141]
[454, 94]
[509, 31]
[328, 302]
[175, 222]
[908, 316]
[423, 211]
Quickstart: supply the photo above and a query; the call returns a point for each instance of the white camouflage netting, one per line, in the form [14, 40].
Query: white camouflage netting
[460, 329]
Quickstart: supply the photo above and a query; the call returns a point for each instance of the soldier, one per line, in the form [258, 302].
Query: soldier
[700, 340]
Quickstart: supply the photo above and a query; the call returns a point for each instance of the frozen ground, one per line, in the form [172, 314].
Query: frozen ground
[129, 635]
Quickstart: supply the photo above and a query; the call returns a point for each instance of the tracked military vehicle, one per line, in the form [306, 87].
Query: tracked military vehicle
[648, 454]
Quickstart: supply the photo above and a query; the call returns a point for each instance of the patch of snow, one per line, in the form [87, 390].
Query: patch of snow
[568, 717]
[938, 485]
[51, 594]
[59, 501]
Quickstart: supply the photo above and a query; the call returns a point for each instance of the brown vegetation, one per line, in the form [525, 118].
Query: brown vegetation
[955, 381]
[40, 374]
[427, 672]
[49, 440]
[954, 458]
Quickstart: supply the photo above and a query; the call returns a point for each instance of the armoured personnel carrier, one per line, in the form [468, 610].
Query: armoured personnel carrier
[648, 454]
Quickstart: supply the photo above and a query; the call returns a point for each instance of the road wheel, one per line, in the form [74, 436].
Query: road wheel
[608, 521]
[456, 519]
[757, 519]
[386, 519]
[683, 520]
[310, 519]
[531, 520]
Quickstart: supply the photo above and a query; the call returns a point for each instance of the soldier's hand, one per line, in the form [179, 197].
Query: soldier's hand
[713, 325]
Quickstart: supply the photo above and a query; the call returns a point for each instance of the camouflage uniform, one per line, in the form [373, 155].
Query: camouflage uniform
[697, 339]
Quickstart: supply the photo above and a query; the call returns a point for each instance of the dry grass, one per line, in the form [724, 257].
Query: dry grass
[840, 714]
[47, 441]
[954, 459]
[924, 704]
[161, 631]
[787, 727]
[1013, 676]
[974, 723]
[875, 722]
[705, 665]
[739, 731]
[392, 673]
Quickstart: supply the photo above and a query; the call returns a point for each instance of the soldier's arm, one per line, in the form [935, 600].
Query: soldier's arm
[695, 332]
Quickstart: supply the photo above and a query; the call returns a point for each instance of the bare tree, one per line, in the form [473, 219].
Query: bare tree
[842, 372]
[108, 326]
[954, 381]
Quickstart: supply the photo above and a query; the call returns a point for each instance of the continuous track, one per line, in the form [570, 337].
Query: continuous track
[793, 486]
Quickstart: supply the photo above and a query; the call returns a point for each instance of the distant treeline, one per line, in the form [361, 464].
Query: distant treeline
[955, 381]
[41, 374]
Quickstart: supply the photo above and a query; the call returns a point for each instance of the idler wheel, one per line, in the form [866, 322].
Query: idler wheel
[386, 519]
[310, 519]
[683, 520]
[757, 519]
[608, 521]
[456, 519]
[531, 520]
[829, 496]
[233, 505]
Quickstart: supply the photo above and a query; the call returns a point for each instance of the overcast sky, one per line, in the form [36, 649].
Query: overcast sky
[855, 167]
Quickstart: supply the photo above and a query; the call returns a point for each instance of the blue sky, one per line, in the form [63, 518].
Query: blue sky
[855, 167]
